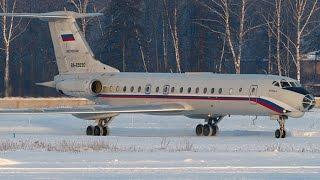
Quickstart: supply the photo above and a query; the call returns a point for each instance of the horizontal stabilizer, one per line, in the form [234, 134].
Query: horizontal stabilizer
[53, 15]
[51, 84]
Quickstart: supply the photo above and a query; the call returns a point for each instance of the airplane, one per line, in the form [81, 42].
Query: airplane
[206, 95]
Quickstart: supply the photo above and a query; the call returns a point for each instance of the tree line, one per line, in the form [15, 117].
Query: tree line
[220, 36]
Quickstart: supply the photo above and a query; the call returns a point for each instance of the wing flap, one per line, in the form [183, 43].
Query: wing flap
[101, 109]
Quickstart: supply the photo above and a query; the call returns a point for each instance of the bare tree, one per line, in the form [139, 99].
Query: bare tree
[164, 38]
[303, 11]
[154, 17]
[235, 39]
[173, 25]
[143, 57]
[270, 56]
[11, 30]
[81, 7]
[278, 4]
[274, 25]
[226, 16]
[222, 55]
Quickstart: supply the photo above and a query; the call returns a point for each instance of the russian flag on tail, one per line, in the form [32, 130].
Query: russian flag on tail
[67, 37]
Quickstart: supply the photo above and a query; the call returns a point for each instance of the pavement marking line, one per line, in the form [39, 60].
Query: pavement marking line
[225, 169]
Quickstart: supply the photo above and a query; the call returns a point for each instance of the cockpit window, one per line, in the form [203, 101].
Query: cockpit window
[293, 84]
[276, 83]
[284, 84]
[298, 84]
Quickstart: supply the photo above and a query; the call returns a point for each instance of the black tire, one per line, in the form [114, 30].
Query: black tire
[90, 130]
[207, 130]
[105, 131]
[284, 134]
[277, 133]
[97, 131]
[215, 130]
[199, 130]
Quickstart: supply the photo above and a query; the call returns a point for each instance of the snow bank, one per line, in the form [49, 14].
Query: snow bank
[296, 133]
[7, 162]
[16, 102]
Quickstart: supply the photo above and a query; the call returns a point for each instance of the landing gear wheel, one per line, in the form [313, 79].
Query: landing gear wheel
[90, 130]
[277, 133]
[207, 130]
[98, 130]
[199, 130]
[105, 131]
[283, 134]
[215, 130]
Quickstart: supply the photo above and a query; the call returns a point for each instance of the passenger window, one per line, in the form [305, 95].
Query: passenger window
[205, 91]
[157, 89]
[212, 90]
[189, 90]
[197, 90]
[230, 91]
[105, 88]
[117, 89]
[148, 89]
[166, 89]
[172, 90]
[220, 90]
[181, 90]
[240, 90]
[111, 89]
[139, 89]
[132, 89]
[124, 88]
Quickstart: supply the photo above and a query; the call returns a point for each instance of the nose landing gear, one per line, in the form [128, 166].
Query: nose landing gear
[281, 132]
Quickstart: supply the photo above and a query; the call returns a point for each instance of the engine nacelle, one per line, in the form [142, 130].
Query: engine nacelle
[79, 87]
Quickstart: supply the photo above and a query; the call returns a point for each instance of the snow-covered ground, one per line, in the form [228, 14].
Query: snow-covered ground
[155, 147]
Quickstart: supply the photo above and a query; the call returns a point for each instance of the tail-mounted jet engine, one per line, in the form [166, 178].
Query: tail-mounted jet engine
[79, 87]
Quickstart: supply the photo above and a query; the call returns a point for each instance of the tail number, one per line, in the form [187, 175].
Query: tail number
[78, 65]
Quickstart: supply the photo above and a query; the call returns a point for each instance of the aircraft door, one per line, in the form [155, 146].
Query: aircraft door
[253, 92]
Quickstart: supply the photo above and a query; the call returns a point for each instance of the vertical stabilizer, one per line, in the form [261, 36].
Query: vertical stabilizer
[72, 51]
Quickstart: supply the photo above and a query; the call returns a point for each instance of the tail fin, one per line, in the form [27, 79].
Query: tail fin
[72, 51]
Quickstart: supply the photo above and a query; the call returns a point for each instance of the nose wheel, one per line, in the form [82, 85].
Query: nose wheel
[209, 129]
[281, 132]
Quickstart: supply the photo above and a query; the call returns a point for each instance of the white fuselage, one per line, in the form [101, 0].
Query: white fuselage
[206, 94]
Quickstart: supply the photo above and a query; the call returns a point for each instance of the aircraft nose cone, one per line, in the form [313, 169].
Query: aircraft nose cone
[308, 102]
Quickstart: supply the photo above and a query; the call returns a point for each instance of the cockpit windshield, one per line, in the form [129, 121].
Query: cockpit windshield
[298, 84]
[285, 84]
[293, 84]
[276, 83]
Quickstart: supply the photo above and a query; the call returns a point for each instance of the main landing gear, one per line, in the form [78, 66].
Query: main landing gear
[209, 129]
[281, 132]
[101, 129]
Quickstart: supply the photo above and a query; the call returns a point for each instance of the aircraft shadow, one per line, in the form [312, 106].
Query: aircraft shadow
[245, 133]
[162, 132]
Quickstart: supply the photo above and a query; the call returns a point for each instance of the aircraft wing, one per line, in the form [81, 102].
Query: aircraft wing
[101, 109]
